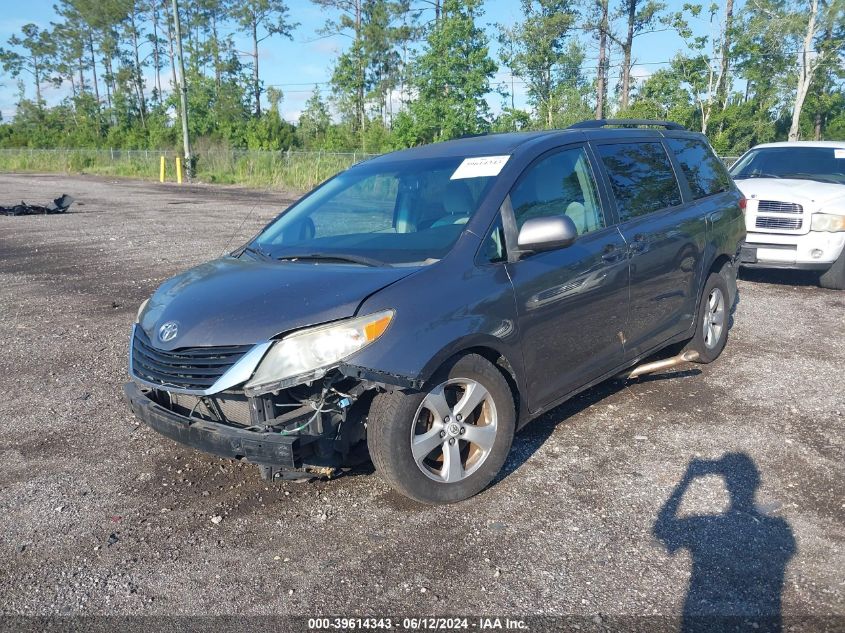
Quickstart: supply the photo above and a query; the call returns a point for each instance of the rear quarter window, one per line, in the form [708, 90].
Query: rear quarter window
[641, 177]
[705, 173]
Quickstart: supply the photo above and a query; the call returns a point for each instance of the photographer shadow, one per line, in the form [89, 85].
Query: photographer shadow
[739, 557]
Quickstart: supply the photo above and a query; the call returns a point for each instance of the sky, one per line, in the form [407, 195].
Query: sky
[296, 66]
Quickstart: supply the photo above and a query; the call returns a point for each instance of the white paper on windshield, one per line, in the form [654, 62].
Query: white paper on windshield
[480, 167]
[839, 153]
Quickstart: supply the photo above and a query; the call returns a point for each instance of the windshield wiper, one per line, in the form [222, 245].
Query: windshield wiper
[338, 257]
[255, 251]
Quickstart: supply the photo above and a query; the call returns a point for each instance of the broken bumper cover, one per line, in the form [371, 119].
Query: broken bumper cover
[270, 449]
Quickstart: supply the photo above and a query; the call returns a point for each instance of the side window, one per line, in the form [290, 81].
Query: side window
[560, 184]
[641, 176]
[705, 173]
[493, 247]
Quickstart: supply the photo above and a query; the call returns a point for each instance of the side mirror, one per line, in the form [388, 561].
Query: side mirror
[545, 234]
[301, 230]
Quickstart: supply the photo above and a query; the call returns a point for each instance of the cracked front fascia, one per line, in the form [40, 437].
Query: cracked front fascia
[379, 377]
[364, 374]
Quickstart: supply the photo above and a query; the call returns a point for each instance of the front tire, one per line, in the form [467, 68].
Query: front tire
[448, 442]
[712, 322]
[834, 277]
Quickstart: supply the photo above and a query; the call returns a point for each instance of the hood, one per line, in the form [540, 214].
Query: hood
[232, 301]
[811, 194]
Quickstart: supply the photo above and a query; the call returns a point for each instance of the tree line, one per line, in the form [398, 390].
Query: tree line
[418, 71]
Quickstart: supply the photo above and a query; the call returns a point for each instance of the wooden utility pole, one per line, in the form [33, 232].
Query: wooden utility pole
[627, 48]
[183, 85]
[601, 83]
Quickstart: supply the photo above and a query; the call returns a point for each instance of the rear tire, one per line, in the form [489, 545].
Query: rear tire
[713, 320]
[834, 277]
[448, 442]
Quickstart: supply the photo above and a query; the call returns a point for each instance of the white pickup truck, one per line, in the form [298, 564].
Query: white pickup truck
[795, 213]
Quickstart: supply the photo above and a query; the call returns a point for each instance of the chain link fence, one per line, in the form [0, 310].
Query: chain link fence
[292, 169]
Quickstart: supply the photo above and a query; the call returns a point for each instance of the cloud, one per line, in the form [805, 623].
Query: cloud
[325, 46]
[641, 73]
[293, 105]
[292, 116]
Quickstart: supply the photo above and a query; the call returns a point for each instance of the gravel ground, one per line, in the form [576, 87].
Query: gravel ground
[99, 515]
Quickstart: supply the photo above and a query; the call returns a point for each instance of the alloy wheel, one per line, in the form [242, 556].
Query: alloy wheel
[714, 318]
[454, 430]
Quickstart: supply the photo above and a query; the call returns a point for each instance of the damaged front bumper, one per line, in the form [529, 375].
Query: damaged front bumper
[199, 397]
[270, 450]
[310, 439]
[309, 430]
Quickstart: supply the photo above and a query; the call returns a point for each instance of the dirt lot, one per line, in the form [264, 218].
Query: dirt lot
[101, 516]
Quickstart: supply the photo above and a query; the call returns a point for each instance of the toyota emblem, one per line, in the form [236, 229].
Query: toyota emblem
[168, 331]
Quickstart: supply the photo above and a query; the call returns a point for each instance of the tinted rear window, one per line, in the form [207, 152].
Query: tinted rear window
[705, 173]
[641, 176]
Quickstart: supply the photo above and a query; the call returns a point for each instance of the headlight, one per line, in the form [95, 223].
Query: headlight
[828, 222]
[141, 309]
[307, 354]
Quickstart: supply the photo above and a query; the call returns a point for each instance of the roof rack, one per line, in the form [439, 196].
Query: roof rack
[598, 123]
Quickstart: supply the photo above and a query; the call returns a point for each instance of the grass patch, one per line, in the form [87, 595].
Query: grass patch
[285, 170]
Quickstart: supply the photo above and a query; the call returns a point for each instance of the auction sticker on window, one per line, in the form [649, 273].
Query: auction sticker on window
[480, 167]
[837, 153]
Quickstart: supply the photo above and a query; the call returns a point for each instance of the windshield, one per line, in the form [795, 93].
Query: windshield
[824, 164]
[407, 212]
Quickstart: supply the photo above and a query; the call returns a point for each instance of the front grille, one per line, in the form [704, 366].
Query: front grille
[188, 368]
[785, 224]
[234, 407]
[775, 206]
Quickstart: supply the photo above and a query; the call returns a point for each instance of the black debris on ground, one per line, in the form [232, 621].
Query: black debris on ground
[59, 205]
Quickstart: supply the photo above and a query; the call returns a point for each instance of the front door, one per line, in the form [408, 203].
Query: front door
[571, 302]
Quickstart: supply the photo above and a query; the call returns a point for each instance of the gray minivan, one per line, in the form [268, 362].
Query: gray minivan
[422, 306]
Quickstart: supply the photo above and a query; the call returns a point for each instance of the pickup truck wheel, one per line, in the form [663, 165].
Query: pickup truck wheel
[448, 442]
[711, 326]
[834, 277]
